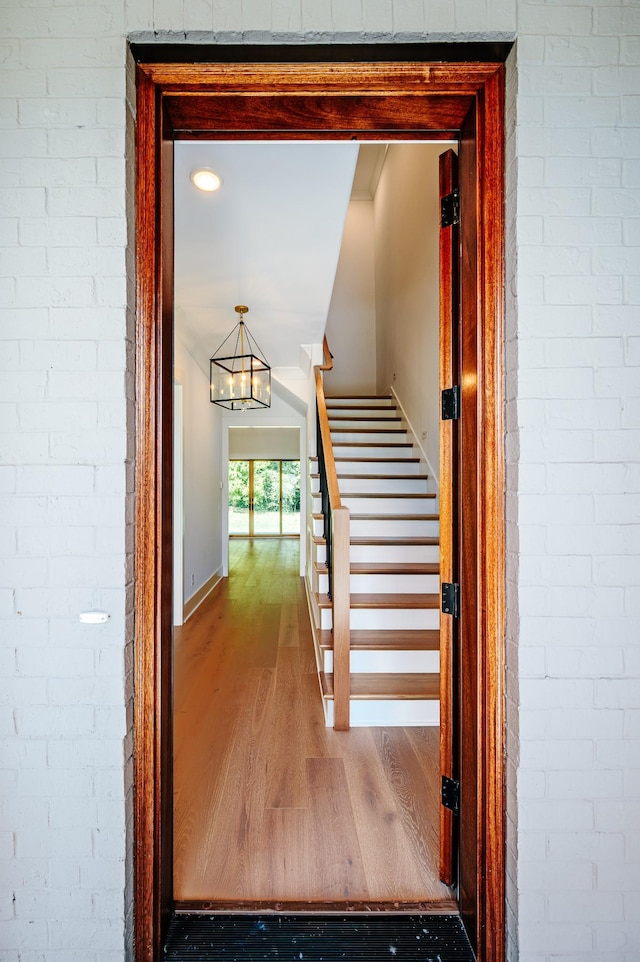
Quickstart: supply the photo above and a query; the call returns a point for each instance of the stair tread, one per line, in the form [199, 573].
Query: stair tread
[424, 639]
[408, 460]
[401, 685]
[362, 407]
[394, 517]
[387, 494]
[349, 417]
[372, 444]
[389, 567]
[374, 430]
[386, 517]
[390, 600]
[357, 397]
[396, 568]
[393, 540]
[356, 460]
[383, 477]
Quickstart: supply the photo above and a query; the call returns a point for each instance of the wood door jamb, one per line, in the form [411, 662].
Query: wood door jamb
[390, 94]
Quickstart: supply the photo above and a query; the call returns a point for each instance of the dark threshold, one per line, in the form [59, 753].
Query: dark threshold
[317, 938]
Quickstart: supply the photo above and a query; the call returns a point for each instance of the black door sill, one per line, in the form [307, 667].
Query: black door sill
[317, 938]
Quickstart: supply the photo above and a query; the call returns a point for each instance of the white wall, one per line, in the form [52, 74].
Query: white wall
[351, 322]
[202, 475]
[573, 437]
[406, 228]
[270, 444]
[574, 487]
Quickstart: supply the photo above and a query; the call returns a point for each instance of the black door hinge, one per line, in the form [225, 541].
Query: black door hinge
[451, 403]
[450, 209]
[451, 599]
[451, 794]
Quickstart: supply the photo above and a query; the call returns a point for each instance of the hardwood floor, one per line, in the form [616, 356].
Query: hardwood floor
[270, 805]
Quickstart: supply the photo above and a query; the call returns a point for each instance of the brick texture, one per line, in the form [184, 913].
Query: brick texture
[572, 442]
[574, 386]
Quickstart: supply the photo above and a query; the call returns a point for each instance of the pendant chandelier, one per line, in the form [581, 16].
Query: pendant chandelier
[242, 380]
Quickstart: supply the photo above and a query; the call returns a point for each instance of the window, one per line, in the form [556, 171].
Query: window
[264, 498]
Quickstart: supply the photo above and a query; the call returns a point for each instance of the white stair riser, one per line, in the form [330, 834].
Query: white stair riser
[388, 662]
[344, 450]
[374, 505]
[364, 485]
[387, 584]
[389, 468]
[364, 423]
[386, 619]
[395, 584]
[393, 553]
[371, 402]
[407, 712]
[391, 527]
[318, 581]
[368, 437]
[388, 485]
[362, 412]
[422, 553]
[393, 505]
[384, 527]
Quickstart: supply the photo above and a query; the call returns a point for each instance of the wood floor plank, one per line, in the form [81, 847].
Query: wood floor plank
[426, 744]
[391, 868]
[319, 741]
[284, 838]
[288, 631]
[407, 780]
[226, 792]
[337, 870]
[227, 864]
[285, 761]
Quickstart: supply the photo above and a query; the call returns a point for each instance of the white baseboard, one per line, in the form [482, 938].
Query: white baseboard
[416, 440]
[316, 644]
[196, 599]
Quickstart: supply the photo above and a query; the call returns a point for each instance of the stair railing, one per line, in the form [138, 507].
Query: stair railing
[336, 535]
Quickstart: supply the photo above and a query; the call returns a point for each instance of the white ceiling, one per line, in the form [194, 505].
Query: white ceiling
[269, 238]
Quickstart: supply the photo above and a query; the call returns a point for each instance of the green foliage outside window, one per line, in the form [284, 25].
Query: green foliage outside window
[238, 484]
[266, 485]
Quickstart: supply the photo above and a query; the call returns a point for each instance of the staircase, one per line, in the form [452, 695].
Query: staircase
[394, 569]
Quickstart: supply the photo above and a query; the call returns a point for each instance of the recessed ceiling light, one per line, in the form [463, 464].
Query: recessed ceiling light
[204, 178]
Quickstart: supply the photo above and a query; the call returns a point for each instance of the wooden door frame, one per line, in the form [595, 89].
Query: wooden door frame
[284, 93]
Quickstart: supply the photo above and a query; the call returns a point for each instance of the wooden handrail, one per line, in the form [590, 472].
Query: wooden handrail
[328, 357]
[339, 569]
[327, 447]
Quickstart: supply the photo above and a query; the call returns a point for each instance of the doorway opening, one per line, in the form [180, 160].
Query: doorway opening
[357, 241]
[264, 499]
[407, 98]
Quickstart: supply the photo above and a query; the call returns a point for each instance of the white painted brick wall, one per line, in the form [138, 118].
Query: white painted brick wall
[64, 443]
[573, 443]
[578, 810]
